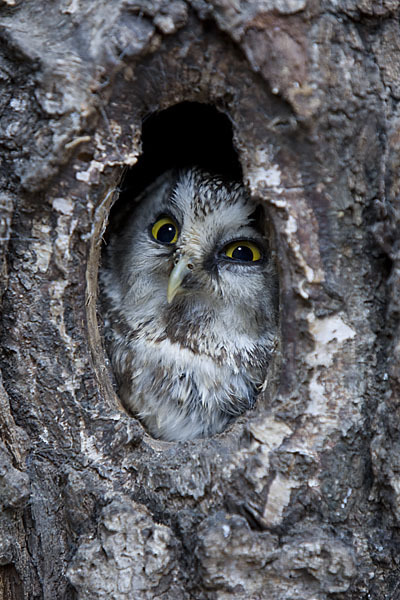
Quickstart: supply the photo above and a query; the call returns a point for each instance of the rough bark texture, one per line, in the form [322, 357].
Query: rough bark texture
[300, 499]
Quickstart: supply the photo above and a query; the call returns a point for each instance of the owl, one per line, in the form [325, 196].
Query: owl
[189, 291]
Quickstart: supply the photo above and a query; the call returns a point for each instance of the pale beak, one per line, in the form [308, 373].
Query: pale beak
[178, 273]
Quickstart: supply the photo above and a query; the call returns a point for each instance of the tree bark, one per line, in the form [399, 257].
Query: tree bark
[300, 498]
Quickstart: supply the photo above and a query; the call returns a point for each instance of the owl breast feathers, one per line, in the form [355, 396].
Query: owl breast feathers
[189, 291]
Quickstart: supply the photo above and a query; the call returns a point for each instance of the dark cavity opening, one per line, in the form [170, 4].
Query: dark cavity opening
[188, 134]
[185, 135]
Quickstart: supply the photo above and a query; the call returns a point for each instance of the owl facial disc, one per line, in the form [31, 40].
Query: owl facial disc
[181, 269]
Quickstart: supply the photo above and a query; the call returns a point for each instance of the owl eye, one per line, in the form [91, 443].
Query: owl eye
[243, 251]
[165, 230]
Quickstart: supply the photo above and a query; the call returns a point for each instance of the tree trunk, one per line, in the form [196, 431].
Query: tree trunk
[300, 498]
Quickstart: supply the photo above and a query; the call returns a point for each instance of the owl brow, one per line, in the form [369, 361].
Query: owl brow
[252, 234]
[172, 199]
[178, 212]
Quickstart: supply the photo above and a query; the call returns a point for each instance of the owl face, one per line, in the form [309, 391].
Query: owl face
[196, 247]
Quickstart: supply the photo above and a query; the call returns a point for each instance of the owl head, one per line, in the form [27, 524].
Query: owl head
[195, 259]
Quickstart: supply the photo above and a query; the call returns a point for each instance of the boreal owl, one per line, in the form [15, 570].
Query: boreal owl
[189, 290]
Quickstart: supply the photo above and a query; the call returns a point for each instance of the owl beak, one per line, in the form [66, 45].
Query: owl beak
[178, 273]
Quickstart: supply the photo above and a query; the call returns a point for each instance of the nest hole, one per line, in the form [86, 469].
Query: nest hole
[184, 135]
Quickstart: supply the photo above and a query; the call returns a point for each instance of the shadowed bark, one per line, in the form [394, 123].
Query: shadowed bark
[300, 498]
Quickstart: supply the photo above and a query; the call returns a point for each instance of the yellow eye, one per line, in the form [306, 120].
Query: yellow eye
[165, 230]
[243, 251]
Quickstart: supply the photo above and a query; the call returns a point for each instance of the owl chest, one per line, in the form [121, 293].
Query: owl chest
[164, 372]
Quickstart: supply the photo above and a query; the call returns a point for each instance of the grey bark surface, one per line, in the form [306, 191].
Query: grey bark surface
[300, 498]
